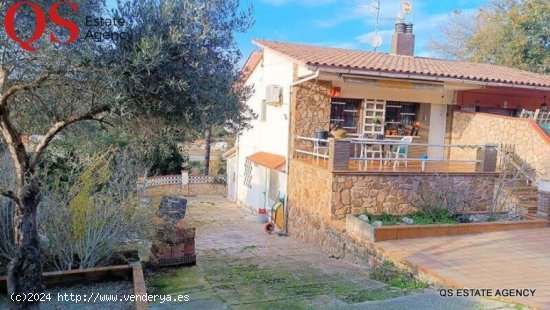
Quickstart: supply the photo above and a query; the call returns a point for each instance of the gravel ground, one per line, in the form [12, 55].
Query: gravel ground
[480, 218]
[108, 289]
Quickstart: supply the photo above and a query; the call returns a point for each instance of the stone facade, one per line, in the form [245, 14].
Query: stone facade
[531, 143]
[395, 193]
[320, 200]
[310, 189]
[310, 109]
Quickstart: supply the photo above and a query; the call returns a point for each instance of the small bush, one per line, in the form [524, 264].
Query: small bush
[394, 276]
[435, 216]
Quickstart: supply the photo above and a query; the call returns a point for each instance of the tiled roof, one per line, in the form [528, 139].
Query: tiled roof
[268, 160]
[398, 64]
[251, 64]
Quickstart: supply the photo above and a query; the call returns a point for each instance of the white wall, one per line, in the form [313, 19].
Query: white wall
[231, 178]
[270, 136]
[438, 120]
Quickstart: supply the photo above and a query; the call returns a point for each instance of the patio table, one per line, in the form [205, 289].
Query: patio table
[364, 144]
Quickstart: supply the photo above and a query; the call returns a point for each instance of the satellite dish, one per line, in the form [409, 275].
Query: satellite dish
[376, 41]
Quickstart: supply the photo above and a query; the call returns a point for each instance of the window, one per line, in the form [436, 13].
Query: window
[345, 113]
[248, 174]
[401, 118]
[263, 111]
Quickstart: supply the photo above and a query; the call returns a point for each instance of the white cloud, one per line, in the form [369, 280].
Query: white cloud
[298, 2]
[353, 10]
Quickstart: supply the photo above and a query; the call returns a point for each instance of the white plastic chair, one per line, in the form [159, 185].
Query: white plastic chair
[372, 150]
[402, 151]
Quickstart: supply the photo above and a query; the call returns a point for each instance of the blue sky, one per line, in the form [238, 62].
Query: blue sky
[343, 23]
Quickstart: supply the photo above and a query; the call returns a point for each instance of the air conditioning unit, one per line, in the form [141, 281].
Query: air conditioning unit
[274, 95]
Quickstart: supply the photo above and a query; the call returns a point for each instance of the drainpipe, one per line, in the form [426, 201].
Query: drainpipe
[289, 151]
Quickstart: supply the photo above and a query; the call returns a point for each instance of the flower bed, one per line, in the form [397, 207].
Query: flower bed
[362, 230]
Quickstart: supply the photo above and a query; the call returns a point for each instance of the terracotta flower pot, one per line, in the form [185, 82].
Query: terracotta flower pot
[338, 134]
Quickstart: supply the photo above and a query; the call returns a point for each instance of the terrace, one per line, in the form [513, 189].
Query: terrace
[354, 155]
[343, 176]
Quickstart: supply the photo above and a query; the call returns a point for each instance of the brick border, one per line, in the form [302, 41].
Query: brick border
[139, 286]
[362, 230]
[133, 272]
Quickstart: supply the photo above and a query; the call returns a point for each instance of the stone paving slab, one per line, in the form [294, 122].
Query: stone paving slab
[501, 260]
[239, 266]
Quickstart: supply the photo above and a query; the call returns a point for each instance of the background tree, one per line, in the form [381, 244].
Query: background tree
[165, 74]
[203, 34]
[512, 33]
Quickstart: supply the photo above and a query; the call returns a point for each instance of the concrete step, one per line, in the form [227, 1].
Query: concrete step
[527, 208]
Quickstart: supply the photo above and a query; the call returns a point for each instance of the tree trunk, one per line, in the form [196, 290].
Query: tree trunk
[208, 138]
[25, 269]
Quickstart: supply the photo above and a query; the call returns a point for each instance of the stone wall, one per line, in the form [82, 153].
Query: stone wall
[309, 199]
[531, 143]
[187, 190]
[395, 193]
[309, 218]
[311, 105]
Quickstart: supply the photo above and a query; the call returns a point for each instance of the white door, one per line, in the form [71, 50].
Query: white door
[262, 186]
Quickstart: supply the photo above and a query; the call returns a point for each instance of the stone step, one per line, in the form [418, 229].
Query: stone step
[525, 189]
[527, 208]
[532, 197]
[530, 216]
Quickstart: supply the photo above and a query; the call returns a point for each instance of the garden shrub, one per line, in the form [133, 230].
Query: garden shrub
[394, 276]
[97, 216]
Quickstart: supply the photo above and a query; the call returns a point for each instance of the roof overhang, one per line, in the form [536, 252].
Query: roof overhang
[418, 77]
[268, 160]
[230, 153]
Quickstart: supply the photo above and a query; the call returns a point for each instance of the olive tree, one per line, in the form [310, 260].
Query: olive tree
[166, 69]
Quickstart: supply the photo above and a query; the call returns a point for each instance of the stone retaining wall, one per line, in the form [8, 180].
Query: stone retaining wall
[532, 144]
[395, 193]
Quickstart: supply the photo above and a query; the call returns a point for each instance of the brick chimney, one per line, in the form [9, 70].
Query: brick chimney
[403, 40]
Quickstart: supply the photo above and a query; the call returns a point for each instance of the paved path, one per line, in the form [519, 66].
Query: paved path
[241, 267]
[501, 260]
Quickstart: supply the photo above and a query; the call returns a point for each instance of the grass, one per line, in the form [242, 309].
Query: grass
[394, 276]
[436, 216]
[258, 286]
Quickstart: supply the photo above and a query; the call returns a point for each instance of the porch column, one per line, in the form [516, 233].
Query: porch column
[185, 182]
[487, 155]
[543, 210]
[436, 136]
[339, 154]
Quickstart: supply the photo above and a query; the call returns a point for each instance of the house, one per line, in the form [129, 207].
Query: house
[456, 113]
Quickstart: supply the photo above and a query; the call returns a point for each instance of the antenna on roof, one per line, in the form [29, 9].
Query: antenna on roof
[374, 8]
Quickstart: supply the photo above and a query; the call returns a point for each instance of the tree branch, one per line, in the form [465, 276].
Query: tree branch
[16, 88]
[11, 195]
[59, 126]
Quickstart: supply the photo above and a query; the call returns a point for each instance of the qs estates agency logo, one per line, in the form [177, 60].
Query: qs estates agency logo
[42, 16]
